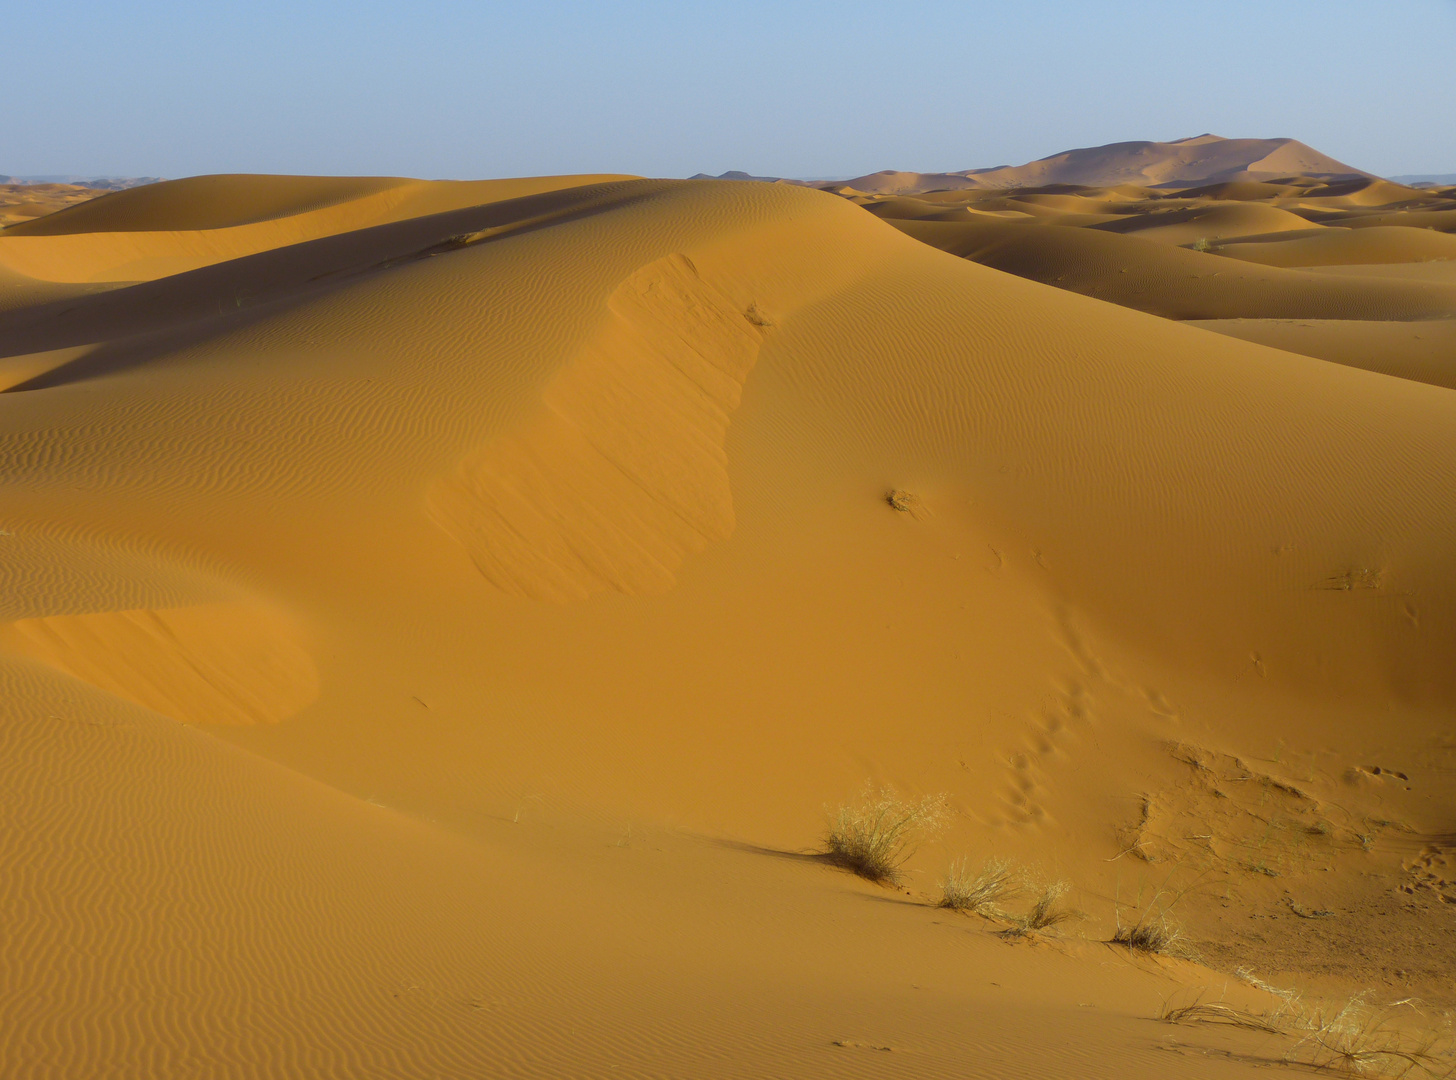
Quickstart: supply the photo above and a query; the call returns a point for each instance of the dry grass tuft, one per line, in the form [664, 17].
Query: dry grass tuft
[875, 837]
[1155, 931]
[1153, 934]
[1364, 1040]
[1216, 1012]
[980, 893]
[757, 317]
[1047, 911]
[1355, 1038]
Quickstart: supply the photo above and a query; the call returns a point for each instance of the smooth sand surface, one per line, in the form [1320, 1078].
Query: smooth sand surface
[1359, 272]
[439, 617]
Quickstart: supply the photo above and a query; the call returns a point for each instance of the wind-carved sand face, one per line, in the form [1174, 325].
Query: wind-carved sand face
[219, 663]
[621, 472]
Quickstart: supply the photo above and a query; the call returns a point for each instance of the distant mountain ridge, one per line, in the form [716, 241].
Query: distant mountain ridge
[1193, 162]
[100, 183]
[1434, 179]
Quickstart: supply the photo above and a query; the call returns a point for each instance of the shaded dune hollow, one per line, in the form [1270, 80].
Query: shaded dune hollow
[620, 474]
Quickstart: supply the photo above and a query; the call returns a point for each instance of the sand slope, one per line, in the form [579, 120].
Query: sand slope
[1353, 271]
[441, 614]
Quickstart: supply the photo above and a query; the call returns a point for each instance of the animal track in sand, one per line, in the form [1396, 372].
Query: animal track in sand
[1056, 727]
[1432, 870]
[1159, 704]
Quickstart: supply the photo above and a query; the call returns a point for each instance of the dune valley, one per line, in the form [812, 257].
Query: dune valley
[445, 619]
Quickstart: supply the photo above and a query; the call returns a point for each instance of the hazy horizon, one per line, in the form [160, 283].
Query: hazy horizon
[446, 89]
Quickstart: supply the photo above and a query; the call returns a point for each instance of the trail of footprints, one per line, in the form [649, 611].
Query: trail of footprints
[1053, 731]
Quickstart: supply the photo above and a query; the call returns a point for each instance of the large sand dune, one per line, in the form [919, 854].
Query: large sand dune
[439, 616]
[1205, 161]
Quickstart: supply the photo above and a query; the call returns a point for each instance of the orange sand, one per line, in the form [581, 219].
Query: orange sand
[439, 615]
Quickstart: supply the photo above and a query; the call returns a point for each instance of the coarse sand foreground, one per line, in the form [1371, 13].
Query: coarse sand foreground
[441, 617]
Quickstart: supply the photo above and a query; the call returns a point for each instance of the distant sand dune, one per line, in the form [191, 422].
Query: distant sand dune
[437, 618]
[1177, 283]
[1186, 163]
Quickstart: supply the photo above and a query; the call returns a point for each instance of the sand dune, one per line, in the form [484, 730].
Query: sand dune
[439, 616]
[1360, 252]
[1227, 168]
[20, 202]
[1178, 283]
[1206, 159]
[1424, 351]
[1184, 163]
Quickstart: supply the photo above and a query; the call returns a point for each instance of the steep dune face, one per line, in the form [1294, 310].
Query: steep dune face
[472, 606]
[161, 230]
[624, 474]
[215, 664]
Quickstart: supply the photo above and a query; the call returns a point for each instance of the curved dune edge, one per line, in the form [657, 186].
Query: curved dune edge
[621, 474]
[96, 247]
[1182, 601]
[20, 369]
[221, 663]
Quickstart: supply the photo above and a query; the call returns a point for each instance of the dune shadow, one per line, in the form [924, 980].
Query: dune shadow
[132, 321]
[771, 852]
[891, 895]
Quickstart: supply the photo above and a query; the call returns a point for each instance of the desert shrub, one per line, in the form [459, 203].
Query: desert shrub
[875, 837]
[1362, 1039]
[1152, 934]
[1355, 1038]
[1155, 930]
[1048, 910]
[1199, 1011]
[979, 893]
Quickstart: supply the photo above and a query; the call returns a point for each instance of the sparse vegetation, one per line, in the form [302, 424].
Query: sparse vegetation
[1155, 930]
[982, 892]
[1355, 1038]
[1204, 244]
[875, 837]
[904, 501]
[1047, 910]
[1152, 934]
[1218, 1012]
[1361, 1039]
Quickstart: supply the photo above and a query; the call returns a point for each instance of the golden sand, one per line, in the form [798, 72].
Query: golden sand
[438, 616]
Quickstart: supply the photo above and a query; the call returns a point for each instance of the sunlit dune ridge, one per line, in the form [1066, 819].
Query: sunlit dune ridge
[441, 614]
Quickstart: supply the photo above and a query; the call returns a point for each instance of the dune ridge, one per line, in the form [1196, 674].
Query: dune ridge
[1202, 160]
[439, 617]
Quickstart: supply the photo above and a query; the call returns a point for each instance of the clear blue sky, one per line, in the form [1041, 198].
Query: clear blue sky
[446, 88]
